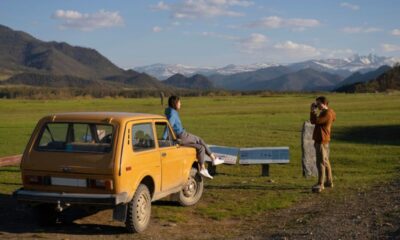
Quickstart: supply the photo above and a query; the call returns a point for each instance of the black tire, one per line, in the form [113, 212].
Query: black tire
[193, 189]
[46, 214]
[139, 210]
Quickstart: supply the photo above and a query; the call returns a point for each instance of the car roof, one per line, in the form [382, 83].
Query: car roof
[102, 116]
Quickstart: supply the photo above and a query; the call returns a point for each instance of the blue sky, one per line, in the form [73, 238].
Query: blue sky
[212, 32]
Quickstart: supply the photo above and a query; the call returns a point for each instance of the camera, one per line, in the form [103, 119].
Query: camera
[314, 106]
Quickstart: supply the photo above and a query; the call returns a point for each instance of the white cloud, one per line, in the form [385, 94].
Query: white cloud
[337, 53]
[218, 35]
[350, 6]
[255, 42]
[372, 30]
[390, 47]
[193, 9]
[160, 6]
[296, 49]
[361, 29]
[157, 29]
[68, 14]
[240, 3]
[396, 32]
[258, 46]
[86, 21]
[278, 22]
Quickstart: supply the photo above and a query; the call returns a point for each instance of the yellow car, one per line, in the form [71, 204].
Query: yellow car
[117, 160]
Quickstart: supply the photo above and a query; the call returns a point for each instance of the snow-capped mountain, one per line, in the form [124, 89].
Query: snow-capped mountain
[164, 71]
[343, 67]
[346, 66]
[232, 68]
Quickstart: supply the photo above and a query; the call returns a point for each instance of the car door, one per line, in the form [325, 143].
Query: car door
[141, 156]
[171, 159]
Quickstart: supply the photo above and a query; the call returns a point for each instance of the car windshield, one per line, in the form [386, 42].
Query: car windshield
[76, 137]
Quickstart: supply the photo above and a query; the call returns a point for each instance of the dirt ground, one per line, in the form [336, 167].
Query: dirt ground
[371, 214]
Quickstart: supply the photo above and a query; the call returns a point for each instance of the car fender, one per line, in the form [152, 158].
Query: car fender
[139, 179]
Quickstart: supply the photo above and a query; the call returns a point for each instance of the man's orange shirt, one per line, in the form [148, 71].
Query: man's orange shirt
[323, 123]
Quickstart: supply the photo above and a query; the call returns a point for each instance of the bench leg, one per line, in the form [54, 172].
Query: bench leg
[211, 169]
[265, 170]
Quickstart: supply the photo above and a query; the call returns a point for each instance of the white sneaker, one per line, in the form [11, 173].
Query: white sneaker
[205, 173]
[218, 161]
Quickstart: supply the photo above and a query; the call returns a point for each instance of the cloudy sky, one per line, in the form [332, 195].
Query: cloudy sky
[212, 32]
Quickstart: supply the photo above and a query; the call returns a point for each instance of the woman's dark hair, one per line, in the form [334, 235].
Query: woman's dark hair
[322, 99]
[173, 101]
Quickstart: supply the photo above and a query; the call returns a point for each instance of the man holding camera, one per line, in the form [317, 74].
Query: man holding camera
[322, 136]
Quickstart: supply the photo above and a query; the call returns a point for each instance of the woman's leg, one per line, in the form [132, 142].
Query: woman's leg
[201, 147]
[200, 152]
[188, 138]
[206, 148]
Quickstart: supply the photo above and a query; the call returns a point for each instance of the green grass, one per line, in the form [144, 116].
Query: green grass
[364, 150]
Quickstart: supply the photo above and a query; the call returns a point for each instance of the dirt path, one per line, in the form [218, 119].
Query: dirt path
[372, 214]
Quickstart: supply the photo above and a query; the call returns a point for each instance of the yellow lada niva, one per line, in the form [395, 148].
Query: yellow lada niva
[113, 160]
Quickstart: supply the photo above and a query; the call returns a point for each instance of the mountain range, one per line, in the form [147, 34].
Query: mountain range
[302, 80]
[197, 81]
[29, 61]
[340, 66]
[311, 75]
[363, 77]
[164, 71]
[389, 80]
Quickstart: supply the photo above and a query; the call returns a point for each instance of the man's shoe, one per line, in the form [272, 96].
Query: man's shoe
[317, 188]
[328, 184]
[217, 161]
[205, 173]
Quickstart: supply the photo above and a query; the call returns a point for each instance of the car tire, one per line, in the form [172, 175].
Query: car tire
[46, 214]
[139, 210]
[193, 189]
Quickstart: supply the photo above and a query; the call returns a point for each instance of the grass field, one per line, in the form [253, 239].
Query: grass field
[365, 149]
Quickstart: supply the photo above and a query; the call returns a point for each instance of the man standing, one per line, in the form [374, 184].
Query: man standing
[162, 98]
[322, 136]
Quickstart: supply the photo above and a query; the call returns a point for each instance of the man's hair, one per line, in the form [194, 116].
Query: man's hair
[322, 99]
[173, 101]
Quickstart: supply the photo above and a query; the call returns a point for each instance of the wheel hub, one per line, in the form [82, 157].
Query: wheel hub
[190, 189]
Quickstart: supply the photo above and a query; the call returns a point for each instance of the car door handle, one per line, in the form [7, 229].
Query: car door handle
[163, 154]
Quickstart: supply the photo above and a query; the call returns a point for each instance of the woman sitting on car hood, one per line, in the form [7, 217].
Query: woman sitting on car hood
[188, 139]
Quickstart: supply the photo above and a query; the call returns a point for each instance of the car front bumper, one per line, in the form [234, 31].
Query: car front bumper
[70, 198]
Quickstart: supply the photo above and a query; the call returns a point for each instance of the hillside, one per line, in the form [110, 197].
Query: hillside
[245, 80]
[142, 80]
[50, 80]
[197, 81]
[360, 77]
[27, 60]
[390, 80]
[20, 51]
[303, 80]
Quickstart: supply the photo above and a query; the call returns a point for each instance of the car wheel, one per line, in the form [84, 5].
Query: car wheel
[139, 210]
[193, 189]
[46, 214]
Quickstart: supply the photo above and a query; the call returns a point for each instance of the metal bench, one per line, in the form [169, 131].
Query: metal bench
[263, 156]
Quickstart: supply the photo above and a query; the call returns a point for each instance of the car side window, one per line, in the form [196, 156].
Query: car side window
[142, 137]
[164, 135]
[54, 134]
